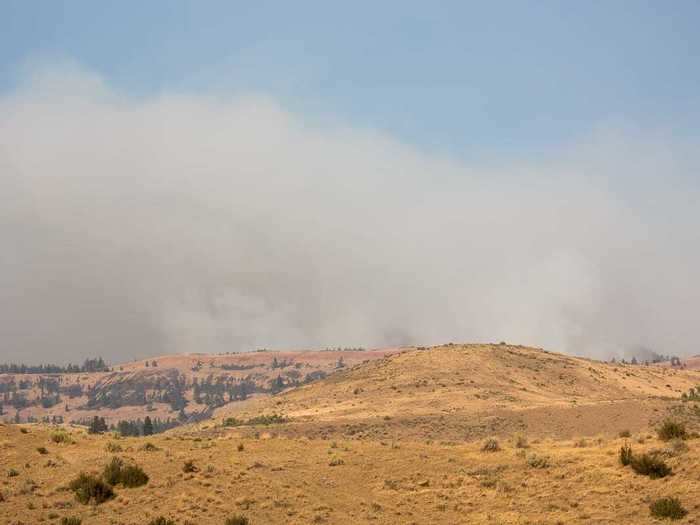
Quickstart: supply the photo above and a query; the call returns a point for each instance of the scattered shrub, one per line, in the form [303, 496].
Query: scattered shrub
[113, 447]
[491, 445]
[133, 476]
[240, 447]
[232, 422]
[335, 462]
[24, 430]
[537, 461]
[160, 520]
[670, 429]
[189, 466]
[650, 465]
[149, 447]
[112, 471]
[61, 437]
[625, 454]
[42, 450]
[12, 473]
[237, 519]
[675, 447]
[129, 476]
[72, 520]
[625, 434]
[88, 488]
[667, 508]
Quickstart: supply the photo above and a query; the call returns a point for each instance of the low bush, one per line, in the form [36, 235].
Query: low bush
[650, 465]
[667, 508]
[133, 476]
[113, 447]
[42, 450]
[670, 429]
[72, 520]
[149, 447]
[625, 454]
[12, 473]
[675, 447]
[130, 476]
[625, 434]
[112, 471]
[189, 467]
[537, 461]
[491, 445]
[61, 437]
[90, 489]
[237, 519]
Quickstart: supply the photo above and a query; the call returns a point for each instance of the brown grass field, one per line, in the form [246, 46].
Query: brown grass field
[398, 440]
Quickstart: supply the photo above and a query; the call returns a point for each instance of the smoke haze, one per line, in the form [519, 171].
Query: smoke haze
[135, 227]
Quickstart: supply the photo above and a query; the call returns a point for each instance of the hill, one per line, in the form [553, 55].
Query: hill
[461, 391]
[179, 388]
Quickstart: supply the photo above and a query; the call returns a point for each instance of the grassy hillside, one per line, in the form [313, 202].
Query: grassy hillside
[483, 434]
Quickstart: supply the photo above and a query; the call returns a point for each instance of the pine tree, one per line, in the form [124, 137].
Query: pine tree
[147, 427]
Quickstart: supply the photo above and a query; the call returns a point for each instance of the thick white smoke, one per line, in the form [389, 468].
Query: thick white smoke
[193, 223]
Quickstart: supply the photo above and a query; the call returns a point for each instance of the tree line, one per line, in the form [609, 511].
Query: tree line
[89, 365]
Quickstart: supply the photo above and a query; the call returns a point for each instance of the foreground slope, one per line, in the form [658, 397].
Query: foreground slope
[394, 441]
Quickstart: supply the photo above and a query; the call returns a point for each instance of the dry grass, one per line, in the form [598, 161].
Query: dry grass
[394, 441]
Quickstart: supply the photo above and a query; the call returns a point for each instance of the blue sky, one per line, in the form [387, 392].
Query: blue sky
[466, 78]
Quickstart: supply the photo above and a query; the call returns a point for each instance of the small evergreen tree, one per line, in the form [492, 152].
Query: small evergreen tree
[147, 427]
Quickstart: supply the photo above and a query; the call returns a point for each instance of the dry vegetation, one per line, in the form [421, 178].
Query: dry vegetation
[476, 434]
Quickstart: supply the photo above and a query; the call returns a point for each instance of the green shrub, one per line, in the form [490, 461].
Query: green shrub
[160, 520]
[625, 434]
[112, 471]
[24, 431]
[133, 476]
[626, 454]
[73, 520]
[149, 447]
[670, 429]
[12, 473]
[232, 422]
[237, 519]
[129, 476]
[667, 508]
[491, 445]
[650, 465]
[88, 488]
